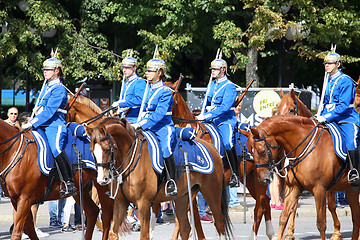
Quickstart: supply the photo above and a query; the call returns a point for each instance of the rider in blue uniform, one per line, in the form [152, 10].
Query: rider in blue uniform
[156, 117]
[132, 91]
[338, 107]
[50, 117]
[221, 95]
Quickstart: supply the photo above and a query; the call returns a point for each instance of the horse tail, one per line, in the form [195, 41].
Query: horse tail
[225, 211]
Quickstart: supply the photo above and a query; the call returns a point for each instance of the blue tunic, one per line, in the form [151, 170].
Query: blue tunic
[131, 97]
[221, 97]
[50, 116]
[339, 107]
[157, 116]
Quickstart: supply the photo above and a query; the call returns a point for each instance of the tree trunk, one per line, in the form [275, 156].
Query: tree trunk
[251, 67]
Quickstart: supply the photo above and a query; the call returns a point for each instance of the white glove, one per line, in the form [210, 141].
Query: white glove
[200, 117]
[27, 125]
[210, 108]
[123, 109]
[115, 104]
[136, 126]
[321, 119]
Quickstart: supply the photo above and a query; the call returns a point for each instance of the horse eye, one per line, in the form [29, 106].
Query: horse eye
[292, 111]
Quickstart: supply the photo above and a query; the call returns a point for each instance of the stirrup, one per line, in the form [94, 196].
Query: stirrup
[173, 193]
[67, 191]
[355, 178]
[234, 181]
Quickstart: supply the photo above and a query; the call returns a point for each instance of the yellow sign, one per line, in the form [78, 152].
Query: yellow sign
[264, 101]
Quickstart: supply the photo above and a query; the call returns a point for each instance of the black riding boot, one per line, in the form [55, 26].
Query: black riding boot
[65, 173]
[353, 175]
[234, 170]
[170, 168]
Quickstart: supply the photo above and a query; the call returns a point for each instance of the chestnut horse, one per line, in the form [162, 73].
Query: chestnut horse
[183, 116]
[313, 164]
[24, 183]
[123, 155]
[290, 104]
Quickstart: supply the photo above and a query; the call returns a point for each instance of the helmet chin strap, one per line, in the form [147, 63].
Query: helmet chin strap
[152, 80]
[217, 76]
[51, 78]
[335, 67]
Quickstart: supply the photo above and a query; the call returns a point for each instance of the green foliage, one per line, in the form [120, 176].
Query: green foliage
[93, 35]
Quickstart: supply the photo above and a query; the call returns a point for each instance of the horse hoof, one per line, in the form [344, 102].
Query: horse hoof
[289, 237]
[336, 236]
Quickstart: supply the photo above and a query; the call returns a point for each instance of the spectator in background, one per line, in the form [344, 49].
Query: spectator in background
[12, 117]
[202, 209]
[276, 192]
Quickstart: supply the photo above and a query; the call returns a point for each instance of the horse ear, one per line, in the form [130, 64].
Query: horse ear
[292, 93]
[282, 94]
[255, 133]
[244, 132]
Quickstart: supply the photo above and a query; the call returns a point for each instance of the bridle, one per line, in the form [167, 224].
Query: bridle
[113, 172]
[118, 173]
[272, 165]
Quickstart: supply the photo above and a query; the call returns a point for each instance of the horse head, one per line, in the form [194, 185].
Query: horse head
[264, 152]
[111, 140]
[290, 104]
[357, 96]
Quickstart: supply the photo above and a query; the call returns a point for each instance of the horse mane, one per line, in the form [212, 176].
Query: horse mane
[270, 123]
[88, 103]
[123, 121]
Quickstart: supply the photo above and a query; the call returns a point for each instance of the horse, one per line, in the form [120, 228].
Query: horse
[122, 154]
[290, 104]
[183, 116]
[313, 165]
[23, 182]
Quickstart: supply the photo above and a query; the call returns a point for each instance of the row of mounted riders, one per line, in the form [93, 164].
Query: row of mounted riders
[25, 184]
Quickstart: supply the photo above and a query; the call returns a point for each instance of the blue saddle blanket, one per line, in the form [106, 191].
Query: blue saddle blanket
[45, 157]
[339, 144]
[198, 155]
[215, 135]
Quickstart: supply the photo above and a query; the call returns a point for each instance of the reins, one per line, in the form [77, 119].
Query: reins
[93, 119]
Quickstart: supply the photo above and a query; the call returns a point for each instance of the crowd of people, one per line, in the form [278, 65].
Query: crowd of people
[147, 105]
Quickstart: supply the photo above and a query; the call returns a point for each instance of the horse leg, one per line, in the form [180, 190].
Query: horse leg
[90, 209]
[144, 210]
[353, 199]
[21, 217]
[29, 227]
[290, 204]
[262, 206]
[330, 196]
[291, 226]
[214, 200]
[181, 210]
[320, 202]
[198, 227]
[106, 208]
[119, 213]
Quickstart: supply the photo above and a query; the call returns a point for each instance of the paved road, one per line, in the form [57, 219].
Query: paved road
[305, 223]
